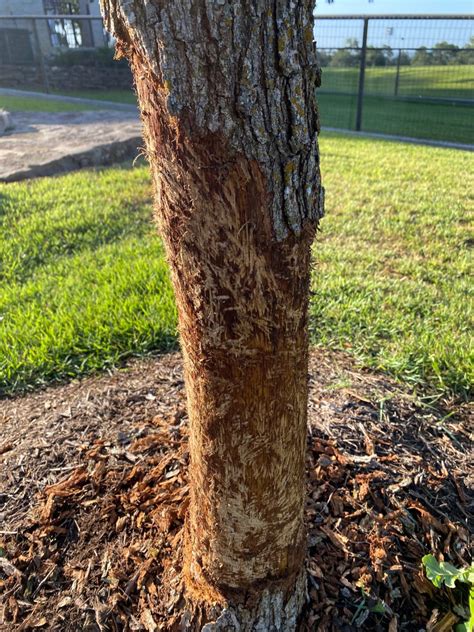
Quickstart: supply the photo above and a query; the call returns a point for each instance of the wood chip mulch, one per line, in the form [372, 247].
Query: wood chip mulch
[93, 494]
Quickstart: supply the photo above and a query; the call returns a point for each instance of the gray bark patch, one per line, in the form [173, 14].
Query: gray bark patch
[276, 611]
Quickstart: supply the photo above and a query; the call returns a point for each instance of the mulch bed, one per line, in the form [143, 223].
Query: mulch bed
[93, 494]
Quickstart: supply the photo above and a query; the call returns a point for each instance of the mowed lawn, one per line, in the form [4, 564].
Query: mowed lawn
[84, 283]
[430, 121]
[36, 104]
[118, 95]
[407, 115]
[430, 81]
[83, 280]
[394, 260]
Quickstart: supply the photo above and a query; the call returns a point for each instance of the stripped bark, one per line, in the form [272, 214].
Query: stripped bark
[227, 97]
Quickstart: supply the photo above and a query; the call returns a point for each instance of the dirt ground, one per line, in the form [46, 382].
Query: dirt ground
[93, 494]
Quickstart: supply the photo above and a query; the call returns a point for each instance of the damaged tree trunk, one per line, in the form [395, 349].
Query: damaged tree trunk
[227, 97]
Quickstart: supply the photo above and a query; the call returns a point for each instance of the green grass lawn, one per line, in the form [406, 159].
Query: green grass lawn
[36, 104]
[117, 96]
[406, 118]
[434, 81]
[393, 281]
[84, 283]
[383, 113]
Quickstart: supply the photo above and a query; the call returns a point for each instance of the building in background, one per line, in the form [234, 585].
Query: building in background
[21, 37]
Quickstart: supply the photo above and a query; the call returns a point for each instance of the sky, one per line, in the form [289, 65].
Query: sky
[389, 7]
[408, 34]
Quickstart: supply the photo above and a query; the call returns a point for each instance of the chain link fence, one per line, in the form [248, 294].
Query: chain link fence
[410, 76]
[405, 75]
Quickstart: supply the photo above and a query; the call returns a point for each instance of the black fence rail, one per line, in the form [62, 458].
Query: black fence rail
[406, 75]
[401, 75]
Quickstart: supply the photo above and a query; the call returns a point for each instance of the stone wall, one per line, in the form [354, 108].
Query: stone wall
[65, 77]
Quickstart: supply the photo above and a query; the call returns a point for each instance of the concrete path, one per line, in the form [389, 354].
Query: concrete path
[47, 143]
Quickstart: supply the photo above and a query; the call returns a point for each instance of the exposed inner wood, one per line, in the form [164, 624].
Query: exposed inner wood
[242, 301]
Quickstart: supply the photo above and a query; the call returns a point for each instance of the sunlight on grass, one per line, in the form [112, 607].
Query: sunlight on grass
[83, 280]
[433, 81]
[118, 95]
[431, 121]
[393, 259]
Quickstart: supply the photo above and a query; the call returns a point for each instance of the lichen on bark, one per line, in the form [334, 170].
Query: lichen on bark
[247, 71]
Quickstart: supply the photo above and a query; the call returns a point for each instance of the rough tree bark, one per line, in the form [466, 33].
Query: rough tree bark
[227, 97]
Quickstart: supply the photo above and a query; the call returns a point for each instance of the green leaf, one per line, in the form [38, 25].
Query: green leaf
[379, 608]
[468, 575]
[440, 573]
[450, 574]
[432, 569]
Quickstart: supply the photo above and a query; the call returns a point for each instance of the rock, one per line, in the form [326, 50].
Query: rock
[6, 123]
[48, 143]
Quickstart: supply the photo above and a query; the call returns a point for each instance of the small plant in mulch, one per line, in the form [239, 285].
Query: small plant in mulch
[458, 584]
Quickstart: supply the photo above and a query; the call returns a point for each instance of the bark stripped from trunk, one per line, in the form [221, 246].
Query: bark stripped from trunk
[226, 92]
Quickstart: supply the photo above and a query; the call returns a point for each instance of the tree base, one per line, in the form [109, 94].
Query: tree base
[277, 608]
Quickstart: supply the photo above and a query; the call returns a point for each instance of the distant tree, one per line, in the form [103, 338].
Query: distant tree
[347, 57]
[422, 57]
[324, 57]
[379, 56]
[405, 59]
[444, 54]
[466, 54]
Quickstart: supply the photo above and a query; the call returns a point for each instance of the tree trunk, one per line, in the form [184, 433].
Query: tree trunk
[227, 97]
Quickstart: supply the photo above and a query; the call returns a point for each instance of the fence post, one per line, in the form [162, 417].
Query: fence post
[42, 68]
[360, 94]
[397, 76]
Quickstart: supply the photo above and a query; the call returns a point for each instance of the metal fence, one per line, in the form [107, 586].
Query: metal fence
[400, 75]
